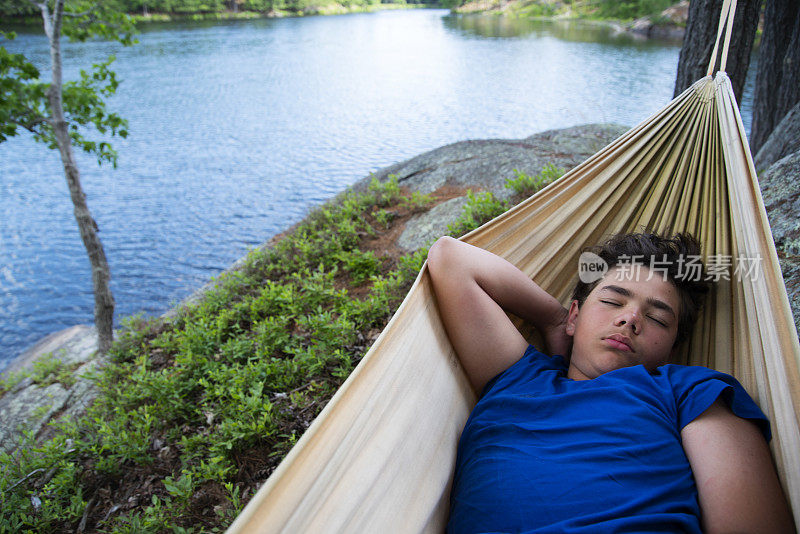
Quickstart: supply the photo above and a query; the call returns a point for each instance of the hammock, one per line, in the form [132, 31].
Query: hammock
[380, 456]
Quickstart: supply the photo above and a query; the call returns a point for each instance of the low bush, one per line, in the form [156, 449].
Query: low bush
[526, 185]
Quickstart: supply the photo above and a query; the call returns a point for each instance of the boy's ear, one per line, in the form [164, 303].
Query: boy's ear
[572, 317]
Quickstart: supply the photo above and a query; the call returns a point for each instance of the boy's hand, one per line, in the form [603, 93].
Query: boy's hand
[556, 340]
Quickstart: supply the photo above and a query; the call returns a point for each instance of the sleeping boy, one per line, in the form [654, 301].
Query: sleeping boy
[606, 435]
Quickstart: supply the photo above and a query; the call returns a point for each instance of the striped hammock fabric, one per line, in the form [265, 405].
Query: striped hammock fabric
[380, 456]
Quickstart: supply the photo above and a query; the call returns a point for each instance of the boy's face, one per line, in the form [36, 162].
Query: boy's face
[626, 320]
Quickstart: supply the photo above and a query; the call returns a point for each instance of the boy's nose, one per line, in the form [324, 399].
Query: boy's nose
[629, 318]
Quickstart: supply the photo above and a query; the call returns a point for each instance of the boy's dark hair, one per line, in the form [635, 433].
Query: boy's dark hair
[671, 256]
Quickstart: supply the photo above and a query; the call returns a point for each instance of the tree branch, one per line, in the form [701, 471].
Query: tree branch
[91, 12]
[26, 477]
[35, 3]
[82, 14]
[48, 22]
[91, 20]
[32, 124]
[58, 16]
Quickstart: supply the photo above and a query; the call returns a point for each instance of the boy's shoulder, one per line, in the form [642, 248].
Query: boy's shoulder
[689, 370]
[695, 389]
[692, 374]
[692, 380]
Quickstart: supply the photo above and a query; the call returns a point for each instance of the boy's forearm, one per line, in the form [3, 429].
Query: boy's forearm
[518, 294]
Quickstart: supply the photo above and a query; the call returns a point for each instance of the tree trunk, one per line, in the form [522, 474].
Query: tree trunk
[778, 79]
[103, 299]
[701, 33]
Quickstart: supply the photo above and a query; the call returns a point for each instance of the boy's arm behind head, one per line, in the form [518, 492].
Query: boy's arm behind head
[474, 289]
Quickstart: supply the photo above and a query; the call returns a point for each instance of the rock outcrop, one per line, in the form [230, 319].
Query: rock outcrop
[670, 24]
[485, 165]
[784, 140]
[780, 188]
[36, 400]
[488, 163]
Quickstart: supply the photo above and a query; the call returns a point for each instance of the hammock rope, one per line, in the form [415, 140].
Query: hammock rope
[380, 456]
[726, 16]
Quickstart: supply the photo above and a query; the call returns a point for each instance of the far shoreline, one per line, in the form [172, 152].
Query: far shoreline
[31, 21]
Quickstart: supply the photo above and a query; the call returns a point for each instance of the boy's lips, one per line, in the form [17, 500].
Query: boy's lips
[618, 341]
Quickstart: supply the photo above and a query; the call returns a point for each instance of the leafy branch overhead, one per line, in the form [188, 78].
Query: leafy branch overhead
[25, 97]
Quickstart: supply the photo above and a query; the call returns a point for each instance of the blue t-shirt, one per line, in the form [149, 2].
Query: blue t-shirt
[544, 453]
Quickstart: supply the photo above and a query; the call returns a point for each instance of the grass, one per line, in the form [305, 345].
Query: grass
[195, 411]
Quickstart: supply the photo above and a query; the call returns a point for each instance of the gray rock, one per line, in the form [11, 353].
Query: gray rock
[487, 164]
[78, 343]
[427, 227]
[790, 268]
[670, 24]
[30, 406]
[784, 140]
[780, 188]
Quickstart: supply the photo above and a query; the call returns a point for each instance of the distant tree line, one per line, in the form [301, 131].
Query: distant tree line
[15, 8]
[601, 9]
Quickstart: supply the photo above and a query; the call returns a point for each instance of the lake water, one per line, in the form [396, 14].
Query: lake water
[238, 128]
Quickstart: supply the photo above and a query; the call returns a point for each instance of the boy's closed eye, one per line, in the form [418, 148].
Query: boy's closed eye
[659, 321]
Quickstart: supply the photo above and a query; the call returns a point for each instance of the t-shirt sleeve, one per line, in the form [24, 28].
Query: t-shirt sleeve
[696, 389]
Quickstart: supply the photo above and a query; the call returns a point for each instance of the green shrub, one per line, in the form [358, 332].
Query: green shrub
[480, 208]
[9, 380]
[526, 185]
[417, 201]
[630, 9]
[360, 265]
